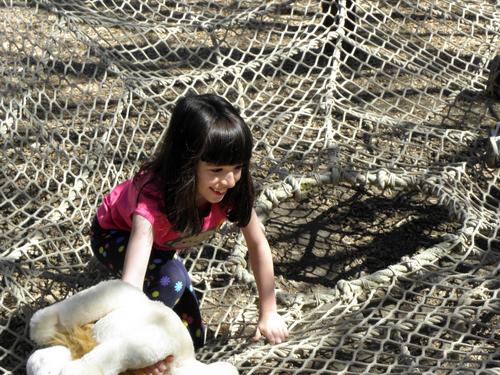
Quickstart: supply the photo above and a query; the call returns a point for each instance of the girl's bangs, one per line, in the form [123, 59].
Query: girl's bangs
[227, 145]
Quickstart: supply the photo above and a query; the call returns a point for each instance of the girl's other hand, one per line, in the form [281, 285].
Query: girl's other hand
[272, 326]
[160, 368]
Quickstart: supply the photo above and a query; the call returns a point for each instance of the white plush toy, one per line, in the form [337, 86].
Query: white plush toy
[130, 332]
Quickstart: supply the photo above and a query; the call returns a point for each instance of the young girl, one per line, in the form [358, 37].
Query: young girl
[199, 178]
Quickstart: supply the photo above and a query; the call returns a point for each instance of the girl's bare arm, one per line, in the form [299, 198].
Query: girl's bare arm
[138, 251]
[270, 324]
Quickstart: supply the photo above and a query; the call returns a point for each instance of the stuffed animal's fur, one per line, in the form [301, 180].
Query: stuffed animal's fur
[130, 332]
[79, 341]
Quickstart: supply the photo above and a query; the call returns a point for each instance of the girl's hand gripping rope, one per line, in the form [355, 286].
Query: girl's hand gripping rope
[272, 326]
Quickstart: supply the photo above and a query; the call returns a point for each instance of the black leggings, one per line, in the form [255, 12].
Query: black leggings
[166, 280]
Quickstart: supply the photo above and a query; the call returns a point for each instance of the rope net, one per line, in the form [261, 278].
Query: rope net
[376, 158]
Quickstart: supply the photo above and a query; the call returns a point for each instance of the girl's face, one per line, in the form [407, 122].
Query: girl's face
[214, 180]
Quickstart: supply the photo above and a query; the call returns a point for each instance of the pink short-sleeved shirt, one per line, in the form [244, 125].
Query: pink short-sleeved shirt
[126, 200]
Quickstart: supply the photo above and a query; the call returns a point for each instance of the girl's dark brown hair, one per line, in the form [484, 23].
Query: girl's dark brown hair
[202, 128]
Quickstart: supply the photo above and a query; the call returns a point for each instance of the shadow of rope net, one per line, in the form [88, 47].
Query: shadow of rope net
[376, 159]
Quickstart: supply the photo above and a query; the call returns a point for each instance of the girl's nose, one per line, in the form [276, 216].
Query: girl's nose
[228, 180]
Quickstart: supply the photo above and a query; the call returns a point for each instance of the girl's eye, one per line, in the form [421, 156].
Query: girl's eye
[217, 170]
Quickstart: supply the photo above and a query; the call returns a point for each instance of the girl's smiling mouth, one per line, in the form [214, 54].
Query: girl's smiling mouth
[219, 192]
